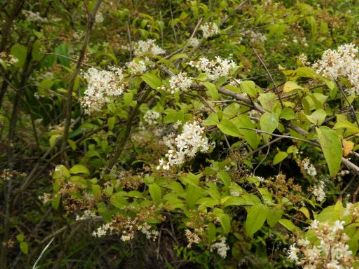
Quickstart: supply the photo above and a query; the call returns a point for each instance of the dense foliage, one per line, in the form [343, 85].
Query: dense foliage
[179, 134]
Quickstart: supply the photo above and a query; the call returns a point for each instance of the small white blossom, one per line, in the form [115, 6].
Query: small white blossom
[192, 238]
[151, 117]
[318, 191]
[87, 214]
[147, 47]
[214, 69]
[293, 253]
[309, 168]
[209, 29]
[33, 16]
[186, 145]
[342, 62]
[102, 85]
[180, 82]
[193, 42]
[332, 251]
[137, 66]
[221, 247]
[102, 230]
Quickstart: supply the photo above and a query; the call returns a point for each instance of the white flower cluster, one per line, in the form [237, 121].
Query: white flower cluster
[192, 238]
[126, 229]
[33, 16]
[332, 251]
[309, 168]
[87, 214]
[151, 117]
[147, 230]
[209, 29]
[8, 59]
[193, 42]
[180, 82]
[137, 66]
[102, 230]
[214, 69]
[303, 59]
[147, 47]
[342, 62]
[102, 85]
[221, 247]
[318, 191]
[45, 197]
[187, 144]
[99, 18]
[255, 37]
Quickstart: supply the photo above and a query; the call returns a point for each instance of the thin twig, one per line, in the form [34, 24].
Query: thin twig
[90, 24]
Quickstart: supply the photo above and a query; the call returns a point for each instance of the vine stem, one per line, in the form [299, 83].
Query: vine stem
[122, 139]
[90, 23]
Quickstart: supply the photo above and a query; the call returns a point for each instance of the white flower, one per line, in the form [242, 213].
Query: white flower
[209, 29]
[180, 82]
[331, 252]
[214, 69]
[221, 247]
[147, 47]
[147, 230]
[303, 59]
[255, 37]
[342, 62]
[33, 16]
[338, 226]
[293, 253]
[87, 214]
[102, 84]
[185, 145]
[137, 67]
[102, 230]
[151, 117]
[309, 168]
[192, 238]
[99, 17]
[193, 42]
[314, 225]
[318, 191]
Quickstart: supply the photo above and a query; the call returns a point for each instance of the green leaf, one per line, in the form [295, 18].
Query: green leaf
[225, 221]
[152, 80]
[317, 117]
[279, 157]
[256, 216]
[211, 120]
[228, 127]
[24, 247]
[54, 139]
[244, 123]
[332, 148]
[19, 51]
[291, 86]
[212, 90]
[268, 100]
[155, 192]
[61, 172]
[289, 225]
[249, 87]
[79, 169]
[268, 123]
[274, 216]
[118, 200]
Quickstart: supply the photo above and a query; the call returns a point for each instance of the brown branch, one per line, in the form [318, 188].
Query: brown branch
[122, 139]
[90, 24]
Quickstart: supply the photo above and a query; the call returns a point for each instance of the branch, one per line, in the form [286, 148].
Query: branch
[90, 24]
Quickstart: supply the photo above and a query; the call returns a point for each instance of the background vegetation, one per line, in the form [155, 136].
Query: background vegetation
[269, 133]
